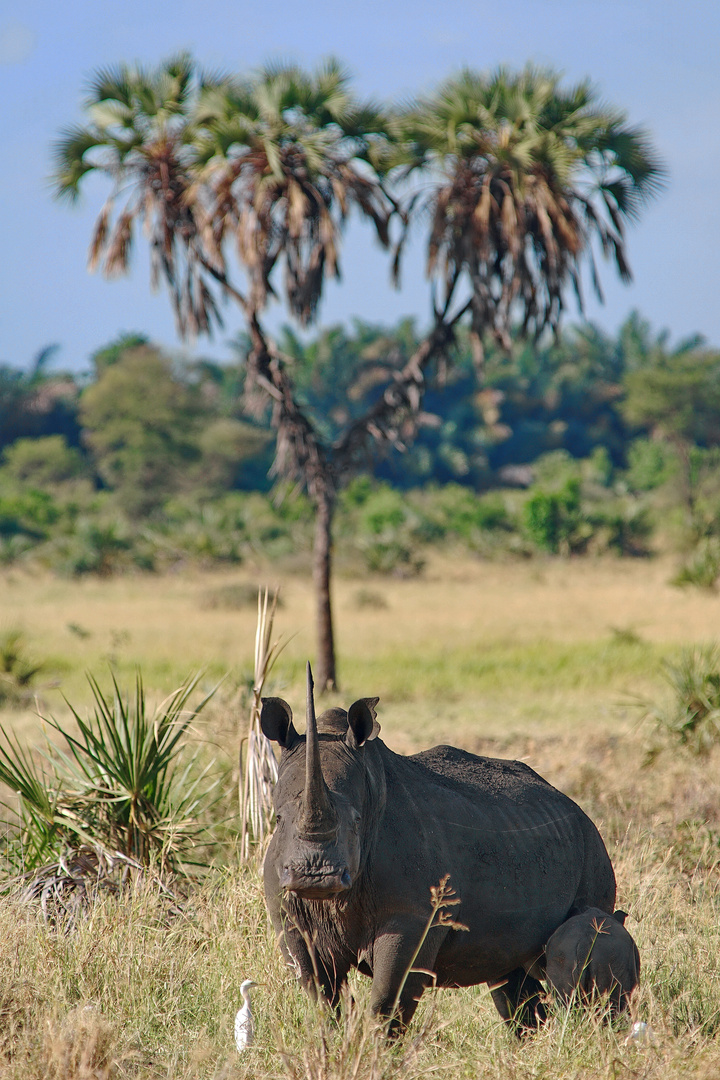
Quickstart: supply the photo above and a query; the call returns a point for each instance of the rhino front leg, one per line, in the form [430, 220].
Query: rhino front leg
[316, 975]
[396, 990]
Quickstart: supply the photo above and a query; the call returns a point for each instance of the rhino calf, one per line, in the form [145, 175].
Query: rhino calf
[592, 954]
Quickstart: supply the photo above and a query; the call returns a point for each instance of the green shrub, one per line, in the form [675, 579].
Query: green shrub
[619, 525]
[391, 556]
[384, 511]
[95, 546]
[42, 462]
[386, 529]
[18, 668]
[550, 518]
[691, 716]
[461, 514]
[32, 512]
[119, 784]
[702, 569]
[650, 464]
[357, 492]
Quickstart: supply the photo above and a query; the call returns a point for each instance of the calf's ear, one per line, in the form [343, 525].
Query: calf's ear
[621, 916]
[362, 722]
[276, 722]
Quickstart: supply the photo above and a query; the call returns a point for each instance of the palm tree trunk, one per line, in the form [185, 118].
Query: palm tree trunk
[326, 678]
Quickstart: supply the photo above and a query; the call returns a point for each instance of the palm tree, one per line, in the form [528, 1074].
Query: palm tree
[283, 157]
[271, 164]
[515, 173]
[140, 134]
[518, 175]
[286, 155]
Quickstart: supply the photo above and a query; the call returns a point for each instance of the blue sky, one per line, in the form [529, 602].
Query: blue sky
[657, 59]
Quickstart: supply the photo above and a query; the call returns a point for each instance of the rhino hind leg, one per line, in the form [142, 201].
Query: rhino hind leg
[519, 1002]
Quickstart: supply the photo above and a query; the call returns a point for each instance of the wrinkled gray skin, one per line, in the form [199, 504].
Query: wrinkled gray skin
[362, 834]
[592, 953]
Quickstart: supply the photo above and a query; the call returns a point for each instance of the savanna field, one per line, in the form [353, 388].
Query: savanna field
[552, 662]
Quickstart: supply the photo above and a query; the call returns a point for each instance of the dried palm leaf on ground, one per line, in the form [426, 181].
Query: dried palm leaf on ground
[66, 887]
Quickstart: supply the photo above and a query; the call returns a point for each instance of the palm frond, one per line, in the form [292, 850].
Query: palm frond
[259, 775]
[523, 172]
[71, 165]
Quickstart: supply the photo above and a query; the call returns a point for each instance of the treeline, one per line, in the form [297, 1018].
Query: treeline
[588, 443]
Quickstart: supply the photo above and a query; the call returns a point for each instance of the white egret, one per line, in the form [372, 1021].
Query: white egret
[244, 1031]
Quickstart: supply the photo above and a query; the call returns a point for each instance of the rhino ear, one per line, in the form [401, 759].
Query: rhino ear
[276, 722]
[362, 722]
[621, 916]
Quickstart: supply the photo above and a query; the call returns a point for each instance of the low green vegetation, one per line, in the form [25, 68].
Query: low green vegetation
[690, 713]
[115, 784]
[555, 450]
[18, 668]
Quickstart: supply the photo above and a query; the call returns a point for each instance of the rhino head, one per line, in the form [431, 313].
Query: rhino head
[321, 794]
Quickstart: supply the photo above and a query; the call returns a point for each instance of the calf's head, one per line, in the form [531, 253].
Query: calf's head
[321, 794]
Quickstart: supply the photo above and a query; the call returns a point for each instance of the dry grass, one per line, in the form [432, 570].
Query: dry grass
[531, 661]
[456, 625]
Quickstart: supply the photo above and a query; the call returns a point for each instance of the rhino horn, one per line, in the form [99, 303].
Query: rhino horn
[319, 817]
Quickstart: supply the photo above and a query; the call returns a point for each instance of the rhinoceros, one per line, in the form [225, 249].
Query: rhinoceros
[363, 834]
[592, 954]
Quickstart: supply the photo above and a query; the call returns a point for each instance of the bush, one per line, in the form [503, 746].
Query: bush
[550, 518]
[95, 546]
[385, 528]
[459, 513]
[703, 568]
[117, 785]
[650, 465]
[620, 525]
[17, 668]
[391, 556]
[691, 716]
[32, 512]
[42, 462]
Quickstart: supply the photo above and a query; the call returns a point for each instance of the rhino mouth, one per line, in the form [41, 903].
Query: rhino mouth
[316, 884]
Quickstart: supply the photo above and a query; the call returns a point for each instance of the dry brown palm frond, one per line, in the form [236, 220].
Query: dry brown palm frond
[299, 208]
[100, 235]
[66, 888]
[260, 770]
[118, 251]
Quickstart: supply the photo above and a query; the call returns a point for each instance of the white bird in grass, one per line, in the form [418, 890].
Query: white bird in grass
[244, 1031]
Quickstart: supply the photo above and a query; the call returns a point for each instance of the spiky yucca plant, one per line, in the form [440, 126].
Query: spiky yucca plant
[691, 716]
[119, 786]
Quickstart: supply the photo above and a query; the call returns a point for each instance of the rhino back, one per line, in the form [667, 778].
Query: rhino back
[519, 854]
